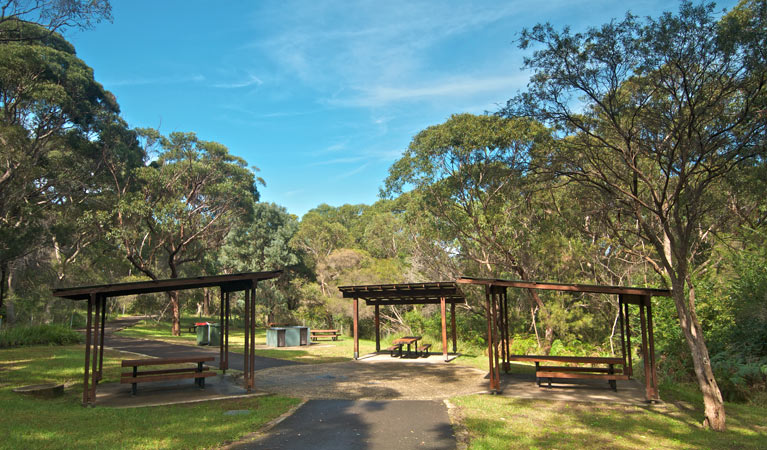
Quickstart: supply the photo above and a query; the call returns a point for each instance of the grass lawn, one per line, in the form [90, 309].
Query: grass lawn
[494, 422]
[63, 423]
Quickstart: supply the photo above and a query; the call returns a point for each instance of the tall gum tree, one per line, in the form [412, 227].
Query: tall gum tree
[653, 117]
[469, 174]
[182, 206]
[50, 110]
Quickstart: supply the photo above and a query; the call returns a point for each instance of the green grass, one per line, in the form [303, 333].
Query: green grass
[63, 423]
[495, 422]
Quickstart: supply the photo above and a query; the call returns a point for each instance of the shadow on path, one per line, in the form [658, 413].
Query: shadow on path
[355, 424]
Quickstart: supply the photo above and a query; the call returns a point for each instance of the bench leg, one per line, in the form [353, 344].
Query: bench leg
[549, 383]
[134, 386]
[613, 383]
[200, 381]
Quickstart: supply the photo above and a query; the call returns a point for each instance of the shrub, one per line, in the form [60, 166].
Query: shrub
[19, 336]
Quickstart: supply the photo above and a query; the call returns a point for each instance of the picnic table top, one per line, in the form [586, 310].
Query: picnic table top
[570, 359]
[161, 361]
[406, 340]
[324, 331]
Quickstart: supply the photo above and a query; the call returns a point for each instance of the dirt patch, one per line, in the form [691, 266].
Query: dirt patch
[357, 380]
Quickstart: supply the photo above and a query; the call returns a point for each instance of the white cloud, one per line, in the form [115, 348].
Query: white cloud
[251, 80]
[142, 81]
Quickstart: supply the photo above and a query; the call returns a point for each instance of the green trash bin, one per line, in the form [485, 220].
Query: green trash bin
[208, 334]
[214, 334]
[202, 332]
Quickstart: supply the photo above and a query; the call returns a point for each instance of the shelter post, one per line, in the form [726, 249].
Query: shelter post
[103, 321]
[444, 327]
[651, 341]
[623, 335]
[378, 330]
[489, 337]
[253, 284]
[355, 315]
[645, 352]
[227, 319]
[86, 392]
[223, 331]
[246, 351]
[504, 330]
[507, 366]
[628, 339]
[96, 345]
[452, 325]
[494, 320]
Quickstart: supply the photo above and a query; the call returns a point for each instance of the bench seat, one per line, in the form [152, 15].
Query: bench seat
[199, 373]
[591, 372]
[395, 348]
[332, 334]
[424, 350]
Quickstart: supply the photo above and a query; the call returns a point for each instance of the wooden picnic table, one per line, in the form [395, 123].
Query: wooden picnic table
[407, 340]
[199, 373]
[609, 373]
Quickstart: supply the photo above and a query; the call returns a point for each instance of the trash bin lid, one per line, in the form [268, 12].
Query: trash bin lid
[199, 324]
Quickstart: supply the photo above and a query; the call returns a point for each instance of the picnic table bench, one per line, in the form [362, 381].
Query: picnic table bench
[406, 340]
[332, 334]
[609, 373]
[199, 373]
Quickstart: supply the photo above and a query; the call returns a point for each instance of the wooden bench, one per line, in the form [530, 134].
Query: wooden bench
[199, 373]
[332, 334]
[395, 348]
[609, 373]
[424, 350]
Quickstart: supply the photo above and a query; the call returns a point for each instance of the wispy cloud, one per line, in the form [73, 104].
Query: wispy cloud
[142, 81]
[380, 53]
[450, 88]
[251, 80]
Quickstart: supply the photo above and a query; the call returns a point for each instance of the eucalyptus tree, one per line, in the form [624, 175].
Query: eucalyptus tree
[183, 205]
[263, 243]
[654, 116]
[470, 176]
[51, 109]
[52, 15]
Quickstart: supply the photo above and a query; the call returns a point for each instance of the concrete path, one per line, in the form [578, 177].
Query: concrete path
[322, 424]
[350, 424]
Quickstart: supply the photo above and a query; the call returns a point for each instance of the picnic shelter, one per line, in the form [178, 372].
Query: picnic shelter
[97, 297]
[430, 293]
[499, 355]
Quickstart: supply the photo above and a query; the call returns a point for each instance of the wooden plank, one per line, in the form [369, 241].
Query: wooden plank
[231, 282]
[584, 376]
[160, 361]
[325, 331]
[178, 376]
[579, 369]
[567, 359]
[596, 289]
[164, 371]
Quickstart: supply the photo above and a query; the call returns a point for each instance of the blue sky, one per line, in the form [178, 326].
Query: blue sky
[322, 96]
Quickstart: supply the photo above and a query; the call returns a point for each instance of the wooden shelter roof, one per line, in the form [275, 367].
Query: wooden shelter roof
[405, 293]
[227, 283]
[587, 288]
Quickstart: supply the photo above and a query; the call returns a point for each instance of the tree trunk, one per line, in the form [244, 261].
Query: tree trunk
[176, 328]
[206, 302]
[693, 333]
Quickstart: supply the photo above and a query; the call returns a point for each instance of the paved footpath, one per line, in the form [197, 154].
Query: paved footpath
[323, 424]
[359, 424]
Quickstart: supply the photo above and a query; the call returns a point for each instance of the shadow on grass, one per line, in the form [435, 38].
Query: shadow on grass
[494, 422]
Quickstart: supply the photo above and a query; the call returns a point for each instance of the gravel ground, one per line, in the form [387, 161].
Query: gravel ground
[373, 380]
